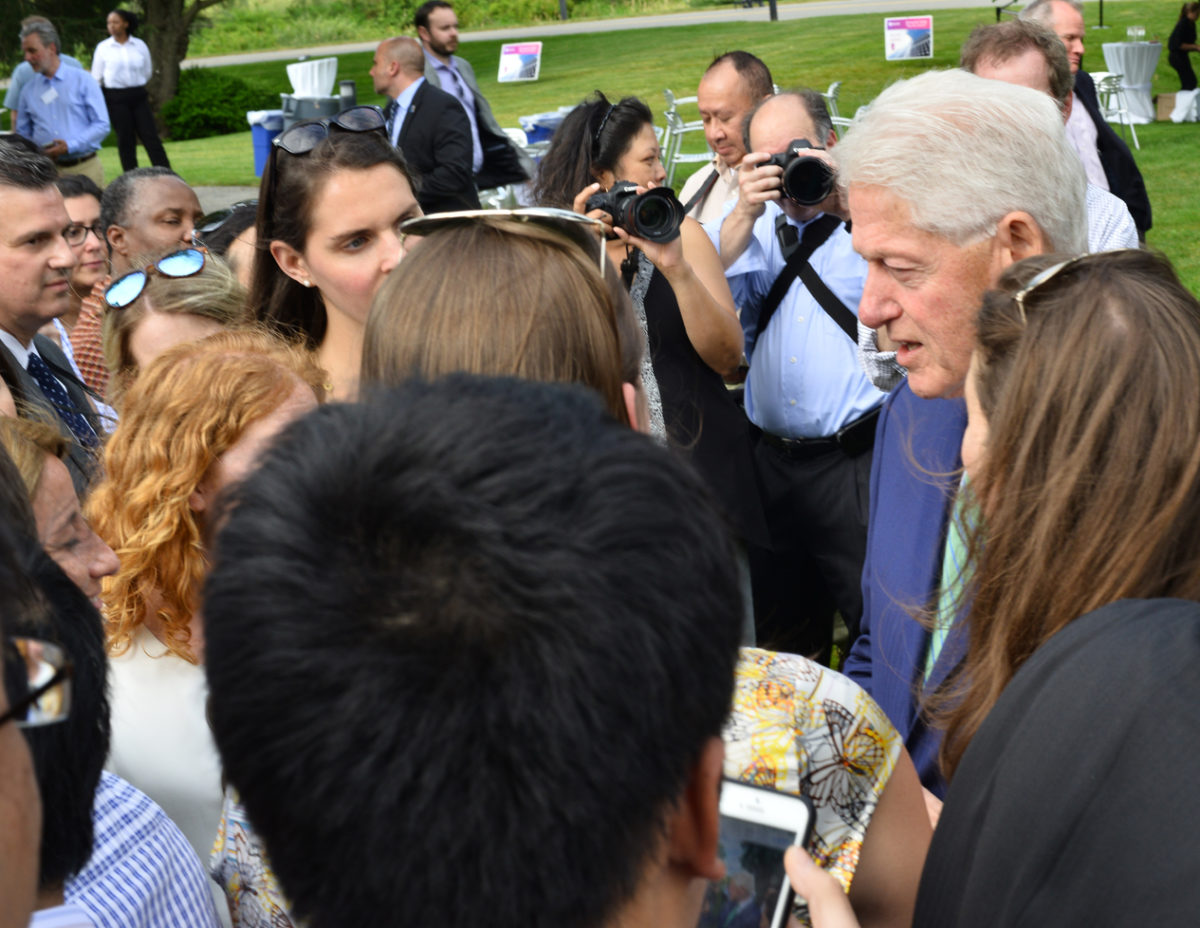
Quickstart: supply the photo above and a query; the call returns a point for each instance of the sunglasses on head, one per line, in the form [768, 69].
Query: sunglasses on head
[303, 137]
[585, 232]
[124, 290]
[213, 221]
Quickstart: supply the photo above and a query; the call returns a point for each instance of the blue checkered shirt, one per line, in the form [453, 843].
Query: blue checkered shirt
[142, 873]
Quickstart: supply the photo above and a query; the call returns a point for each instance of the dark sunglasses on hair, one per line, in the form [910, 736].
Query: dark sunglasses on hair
[124, 290]
[209, 223]
[303, 137]
[37, 682]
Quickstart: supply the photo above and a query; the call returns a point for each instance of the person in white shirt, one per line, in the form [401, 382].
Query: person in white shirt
[121, 66]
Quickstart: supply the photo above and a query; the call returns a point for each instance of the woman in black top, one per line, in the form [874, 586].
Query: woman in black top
[1183, 41]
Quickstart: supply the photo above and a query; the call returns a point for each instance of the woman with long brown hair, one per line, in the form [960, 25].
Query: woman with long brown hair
[1083, 452]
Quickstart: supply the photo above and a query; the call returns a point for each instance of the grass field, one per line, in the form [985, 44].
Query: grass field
[814, 52]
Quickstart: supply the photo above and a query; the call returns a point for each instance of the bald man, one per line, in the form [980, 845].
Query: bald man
[428, 125]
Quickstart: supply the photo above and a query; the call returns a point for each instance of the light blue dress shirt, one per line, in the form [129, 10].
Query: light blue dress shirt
[68, 106]
[403, 105]
[21, 76]
[805, 380]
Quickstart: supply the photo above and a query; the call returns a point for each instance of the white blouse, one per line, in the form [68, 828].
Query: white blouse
[117, 65]
[161, 742]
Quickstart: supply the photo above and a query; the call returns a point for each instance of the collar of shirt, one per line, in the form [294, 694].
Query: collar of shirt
[404, 101]
[19, 351]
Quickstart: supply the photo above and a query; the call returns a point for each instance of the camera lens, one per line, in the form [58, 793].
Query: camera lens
[807, 181]
[657, 215]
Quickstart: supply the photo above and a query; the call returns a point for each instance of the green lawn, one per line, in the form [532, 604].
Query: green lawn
[814, 52]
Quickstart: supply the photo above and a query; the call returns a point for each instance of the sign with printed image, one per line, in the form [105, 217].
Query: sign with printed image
[908, 37]
[520, 61]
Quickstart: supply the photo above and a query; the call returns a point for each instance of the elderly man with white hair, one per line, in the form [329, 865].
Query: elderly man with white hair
[950, 178]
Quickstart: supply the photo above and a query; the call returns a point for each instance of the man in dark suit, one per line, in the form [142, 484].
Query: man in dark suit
[428, 125]
[496, 159]
[1106, 158]
[35, 261]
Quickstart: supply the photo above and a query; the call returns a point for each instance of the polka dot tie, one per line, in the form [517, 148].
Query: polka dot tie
[56, 393]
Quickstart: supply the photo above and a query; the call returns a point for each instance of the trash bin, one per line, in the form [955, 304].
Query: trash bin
[297, 109]
[264, 126]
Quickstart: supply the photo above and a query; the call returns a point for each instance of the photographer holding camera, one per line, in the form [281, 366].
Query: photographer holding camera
[605, 161]
[793, 272]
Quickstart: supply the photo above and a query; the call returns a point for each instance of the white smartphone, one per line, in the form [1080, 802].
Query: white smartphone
[757, 826]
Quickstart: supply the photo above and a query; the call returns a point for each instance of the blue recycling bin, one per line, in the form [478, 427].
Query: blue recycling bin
[264, 126]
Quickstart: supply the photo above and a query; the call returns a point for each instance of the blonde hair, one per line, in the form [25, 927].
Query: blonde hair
[215, 293]
[192, 406]
[532, 305]
[27, 442]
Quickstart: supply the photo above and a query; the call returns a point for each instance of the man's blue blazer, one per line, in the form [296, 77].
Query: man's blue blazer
[914, 474]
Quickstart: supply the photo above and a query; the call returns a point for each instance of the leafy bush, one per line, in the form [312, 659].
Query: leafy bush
[210, 102]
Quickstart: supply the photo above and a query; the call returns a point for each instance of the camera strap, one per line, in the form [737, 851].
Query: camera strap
[700, 194]
[797, 249]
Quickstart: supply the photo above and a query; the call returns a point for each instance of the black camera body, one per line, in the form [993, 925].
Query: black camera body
[655, 215]
[806, 181]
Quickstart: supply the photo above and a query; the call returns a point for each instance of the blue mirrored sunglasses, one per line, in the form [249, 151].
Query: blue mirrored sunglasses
[124, 290]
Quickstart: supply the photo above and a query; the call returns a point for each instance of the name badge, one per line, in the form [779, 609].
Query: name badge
[50, 96]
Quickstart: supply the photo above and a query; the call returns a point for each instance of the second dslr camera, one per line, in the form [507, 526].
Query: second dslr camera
[806, 181]
[655, 215]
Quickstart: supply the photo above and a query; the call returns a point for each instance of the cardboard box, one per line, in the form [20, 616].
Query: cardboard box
[1165, 103]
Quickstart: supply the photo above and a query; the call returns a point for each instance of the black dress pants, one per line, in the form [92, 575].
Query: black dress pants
[131, 118]
[816, 502]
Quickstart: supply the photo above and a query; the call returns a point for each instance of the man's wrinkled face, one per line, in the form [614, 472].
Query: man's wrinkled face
[924, 288]
[40, 56]
[724, 103]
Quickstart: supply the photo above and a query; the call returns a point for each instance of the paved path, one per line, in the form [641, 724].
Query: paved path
[697, 18]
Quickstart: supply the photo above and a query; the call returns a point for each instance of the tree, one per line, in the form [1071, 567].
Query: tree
[168, 29]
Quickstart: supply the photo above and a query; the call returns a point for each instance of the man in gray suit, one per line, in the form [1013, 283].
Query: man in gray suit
[496, 160]
[35, 263]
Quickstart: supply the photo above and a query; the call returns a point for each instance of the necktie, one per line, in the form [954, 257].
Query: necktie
[57, 396]
[953, 581]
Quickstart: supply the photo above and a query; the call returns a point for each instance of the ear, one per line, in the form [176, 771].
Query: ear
[633, 408]
[423, 35]
[694, 826]
[1067, 107]
[1018, 236]
[290, 261]
[832, 140]
[201, 498]
[606, 178]
[116, 240]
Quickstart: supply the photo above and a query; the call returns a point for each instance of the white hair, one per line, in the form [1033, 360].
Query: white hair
[1042, 11]
[962, 152]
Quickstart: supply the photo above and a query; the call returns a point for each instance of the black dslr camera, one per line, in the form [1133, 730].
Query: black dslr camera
[806, 181]
[655, 215]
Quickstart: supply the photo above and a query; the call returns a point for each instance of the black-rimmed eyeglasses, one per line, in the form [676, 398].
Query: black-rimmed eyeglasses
[76, 233]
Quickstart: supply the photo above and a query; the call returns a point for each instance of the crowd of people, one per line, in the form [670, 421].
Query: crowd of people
[367, 557]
